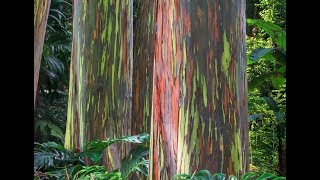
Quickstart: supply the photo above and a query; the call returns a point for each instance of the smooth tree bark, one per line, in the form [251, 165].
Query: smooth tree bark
[143, 54]
[101, 76]
[195, 51]
[41, 12]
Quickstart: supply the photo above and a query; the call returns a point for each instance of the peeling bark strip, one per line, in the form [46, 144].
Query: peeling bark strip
[41, 12]
[199, 99]
[101, 76]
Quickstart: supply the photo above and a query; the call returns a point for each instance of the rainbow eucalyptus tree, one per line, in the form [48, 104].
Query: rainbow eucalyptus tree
[41, 12]
[100, 76]
[142, 65]
[194, 52]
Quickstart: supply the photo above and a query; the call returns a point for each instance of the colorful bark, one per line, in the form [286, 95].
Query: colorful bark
[41, 12]
[143, 64]
[199, 99]
[101, 76]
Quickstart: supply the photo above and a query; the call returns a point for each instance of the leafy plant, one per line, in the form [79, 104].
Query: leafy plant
[277, 34]
[205, 175]
[52, 160]
[50, 155]
[50, 113]
[276, 54]
[135, 161]
[94, 149]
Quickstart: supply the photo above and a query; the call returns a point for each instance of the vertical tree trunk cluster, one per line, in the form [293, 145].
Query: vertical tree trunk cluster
[188, 81]
[41, 12]
[101, 76]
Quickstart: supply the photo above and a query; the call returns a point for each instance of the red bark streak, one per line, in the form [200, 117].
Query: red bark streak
[187, 23]
[215, 32]
[166, 91]
[230, 169]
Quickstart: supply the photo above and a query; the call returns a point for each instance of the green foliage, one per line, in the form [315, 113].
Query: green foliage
[94, 149]
[273, 11]
[47, 126]
[135, 161]
[52, 160]
[49, 119]
[277, 34]
[205, 175]
[50, 112]
[261, 53]
[266, 59]
[51, 155]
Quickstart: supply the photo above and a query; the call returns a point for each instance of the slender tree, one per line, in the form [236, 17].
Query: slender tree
[195, 51]
[100, 76]
[41, 12]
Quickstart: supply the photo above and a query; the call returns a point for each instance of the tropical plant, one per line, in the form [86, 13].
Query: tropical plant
[205, 175]
[52, 160]
[50, 113]
[266, 57]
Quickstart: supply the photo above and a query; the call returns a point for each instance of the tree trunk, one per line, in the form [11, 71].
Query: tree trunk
[281, 153]
[143, 51]
[41, 12]
[100, 76]
[199, 96]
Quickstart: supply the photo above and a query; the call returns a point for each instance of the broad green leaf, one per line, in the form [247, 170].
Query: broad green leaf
[181, 176]
[143, 167]
[135, 162]
[203, 175]
[266, 176]
[232, 178]
[249, 176]
[260, 53]
[272, 104]
[219, 176]
[280, 178]
[94, 154]
[101, 145]
[72, 171]
[275, 31]
[253, 117]
[43, 159]
[87, 170]
[249, 61]
[56, 131]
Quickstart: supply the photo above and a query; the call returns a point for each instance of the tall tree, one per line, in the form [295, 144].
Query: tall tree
[143, 51]
[41, 12]
[196, 53]
[100, 76]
